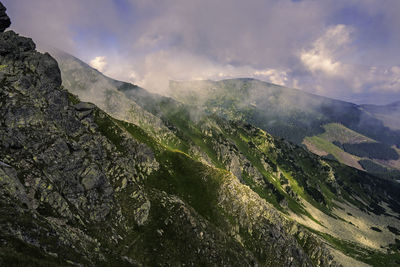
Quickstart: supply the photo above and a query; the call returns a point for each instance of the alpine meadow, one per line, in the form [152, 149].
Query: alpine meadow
[199, 133]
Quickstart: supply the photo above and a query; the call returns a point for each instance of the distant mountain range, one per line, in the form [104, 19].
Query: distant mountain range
[362, 136]
[139, 179]
[388, 114]
[220, 134]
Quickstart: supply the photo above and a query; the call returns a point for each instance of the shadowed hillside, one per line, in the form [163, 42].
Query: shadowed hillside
[320, 194]
[152, 181]
[299, 117]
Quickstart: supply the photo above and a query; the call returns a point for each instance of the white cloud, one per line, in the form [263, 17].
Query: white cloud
[272, 75]
[99, 63]
[156, 70]
[320, 62]
[285, 42]
[323, 54]
[331, 72]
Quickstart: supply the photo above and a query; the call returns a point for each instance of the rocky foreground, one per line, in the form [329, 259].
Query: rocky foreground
[81, 188]
[72, 193]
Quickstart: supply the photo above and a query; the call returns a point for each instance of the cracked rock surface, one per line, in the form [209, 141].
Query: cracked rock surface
[80, 188]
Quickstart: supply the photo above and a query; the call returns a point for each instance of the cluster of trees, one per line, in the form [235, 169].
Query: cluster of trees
[379, 170]
[370, 150]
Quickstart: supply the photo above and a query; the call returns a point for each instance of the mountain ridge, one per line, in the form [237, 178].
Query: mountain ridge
[215, 142]
[298, 116]
[79, 187]
[64, 202]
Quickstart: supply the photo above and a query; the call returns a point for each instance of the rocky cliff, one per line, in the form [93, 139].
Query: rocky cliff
[73, 186]
[82, 188]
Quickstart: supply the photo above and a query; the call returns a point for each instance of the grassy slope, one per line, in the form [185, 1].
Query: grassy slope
[361, 253]
[196, 184]
[323, 144]
[324, 147]
[289, 113]
[182, 175]
[303, 174]
[245, 143]
[339, 132]
[178, 183]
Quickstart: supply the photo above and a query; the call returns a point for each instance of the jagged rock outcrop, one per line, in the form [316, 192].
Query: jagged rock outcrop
[267, 226]
[74, 190]
[5, 21]
[85, 82]
[79, 187]
[56, 172]
[293, 180]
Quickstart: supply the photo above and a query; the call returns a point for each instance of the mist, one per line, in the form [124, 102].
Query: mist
[341, 49]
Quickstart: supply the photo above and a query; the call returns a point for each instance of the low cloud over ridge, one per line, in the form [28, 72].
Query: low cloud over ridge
[346, 49]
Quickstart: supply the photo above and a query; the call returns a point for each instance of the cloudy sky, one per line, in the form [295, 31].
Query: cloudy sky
[346, 49]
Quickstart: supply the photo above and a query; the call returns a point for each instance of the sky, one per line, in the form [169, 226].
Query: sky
[344, 49]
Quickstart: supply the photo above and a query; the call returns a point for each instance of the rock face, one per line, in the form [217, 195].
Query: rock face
[281, 173]
[78, 189]
[5, 21]
[85, 82]
[56, 169]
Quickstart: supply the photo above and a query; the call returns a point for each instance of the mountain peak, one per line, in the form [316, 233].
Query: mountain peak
[5, 21]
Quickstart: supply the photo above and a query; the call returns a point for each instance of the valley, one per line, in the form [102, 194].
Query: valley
[100, 172]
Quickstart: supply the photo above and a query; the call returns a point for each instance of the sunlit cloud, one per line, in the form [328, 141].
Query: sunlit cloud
[99, 63]
[345, 49]
[157, 69]
[322, 55]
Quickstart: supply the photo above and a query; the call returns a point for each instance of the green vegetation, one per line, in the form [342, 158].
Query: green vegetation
[372, 167]
[181, 174]
[353, 149]
[211, 140]
[372, 150]
[363, 254]
[140, 135]
[74, 99]
[192, 181]
[380, 170]
[295, 116]
[338, 132]
[328, 147]
[108, 128]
